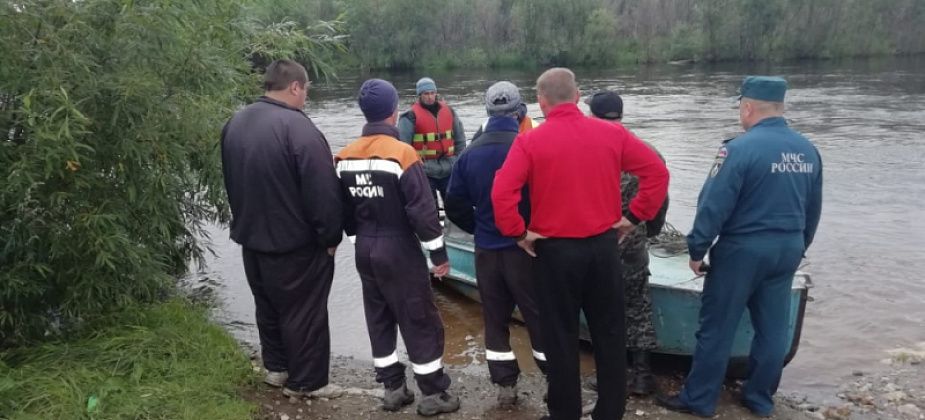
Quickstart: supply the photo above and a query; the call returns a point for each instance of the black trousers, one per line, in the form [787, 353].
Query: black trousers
[505, 279]
[574, 275]
[397, 296]
[291, 296]
[438, 184]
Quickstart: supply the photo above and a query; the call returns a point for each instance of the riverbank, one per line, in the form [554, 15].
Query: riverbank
[897, 392]
[164, 361]
[894, 391]
[361, 400]
[171, 361]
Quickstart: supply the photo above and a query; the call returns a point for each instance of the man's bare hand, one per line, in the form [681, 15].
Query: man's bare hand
[696, 267]
[624, 227]
[441, 270]
[332, 250]
[528, 243]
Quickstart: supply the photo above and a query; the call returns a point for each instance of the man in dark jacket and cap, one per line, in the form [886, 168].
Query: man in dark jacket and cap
[504, 271]
[634, 254]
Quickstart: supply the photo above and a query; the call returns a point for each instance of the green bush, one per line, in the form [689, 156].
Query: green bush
[110, 114]
[683, 44]
[116, 107]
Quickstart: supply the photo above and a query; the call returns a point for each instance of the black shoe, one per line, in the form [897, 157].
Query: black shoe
[673, 403]
[755, 412]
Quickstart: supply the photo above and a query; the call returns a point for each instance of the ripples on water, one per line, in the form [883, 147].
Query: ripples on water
[867, 119]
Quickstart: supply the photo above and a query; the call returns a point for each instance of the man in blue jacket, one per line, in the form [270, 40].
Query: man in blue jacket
[503, 269]
[763, 199]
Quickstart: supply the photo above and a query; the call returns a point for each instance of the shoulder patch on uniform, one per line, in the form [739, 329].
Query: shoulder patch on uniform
[721, 156]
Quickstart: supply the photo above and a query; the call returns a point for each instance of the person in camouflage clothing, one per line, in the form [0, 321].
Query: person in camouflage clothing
[634, 255]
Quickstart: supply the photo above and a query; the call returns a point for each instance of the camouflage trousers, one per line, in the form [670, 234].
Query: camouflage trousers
[640, 329]
[634, 255]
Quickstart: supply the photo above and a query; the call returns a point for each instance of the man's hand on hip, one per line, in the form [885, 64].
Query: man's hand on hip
[528, 242]
[624, 227]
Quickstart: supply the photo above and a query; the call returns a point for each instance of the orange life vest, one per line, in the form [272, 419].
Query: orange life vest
[526, 124]
[433, 137]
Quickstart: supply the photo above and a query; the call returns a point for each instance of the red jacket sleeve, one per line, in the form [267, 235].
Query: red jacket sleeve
[640, 160]
[506, 190]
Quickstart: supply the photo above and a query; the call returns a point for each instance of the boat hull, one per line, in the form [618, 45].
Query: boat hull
[676, 301]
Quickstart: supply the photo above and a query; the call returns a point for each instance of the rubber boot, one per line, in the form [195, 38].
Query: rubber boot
[643, 382]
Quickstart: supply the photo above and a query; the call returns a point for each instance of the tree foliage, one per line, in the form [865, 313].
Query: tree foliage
[421, 33]
[110, 112]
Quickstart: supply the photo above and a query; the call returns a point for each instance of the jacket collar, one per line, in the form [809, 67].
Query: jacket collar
[502, 124]
[770, 122]
[272, 101]
[566, 110]
[380, 128]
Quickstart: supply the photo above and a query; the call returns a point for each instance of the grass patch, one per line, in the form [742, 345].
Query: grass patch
[166, 361]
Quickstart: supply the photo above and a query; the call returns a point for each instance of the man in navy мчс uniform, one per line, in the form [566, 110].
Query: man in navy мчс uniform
[390, 215]
[763, 199]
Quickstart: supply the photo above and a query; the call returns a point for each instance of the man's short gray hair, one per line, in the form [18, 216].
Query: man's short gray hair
[766, 107]
[557, 85]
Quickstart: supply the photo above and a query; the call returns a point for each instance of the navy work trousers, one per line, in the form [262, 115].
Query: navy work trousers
[397, 296]
[505, 279]
[748, 271]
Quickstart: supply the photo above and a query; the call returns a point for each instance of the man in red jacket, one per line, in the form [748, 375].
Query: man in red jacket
[572, 165]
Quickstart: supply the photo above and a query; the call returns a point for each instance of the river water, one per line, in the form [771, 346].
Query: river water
[866, 117]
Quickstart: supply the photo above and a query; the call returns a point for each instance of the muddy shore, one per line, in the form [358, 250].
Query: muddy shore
[895, 391]
[362, 399]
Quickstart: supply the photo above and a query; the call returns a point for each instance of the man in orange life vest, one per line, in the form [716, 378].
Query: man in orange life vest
[435, 132]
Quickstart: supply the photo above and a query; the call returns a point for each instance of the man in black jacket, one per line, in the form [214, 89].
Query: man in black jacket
[286, 208]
